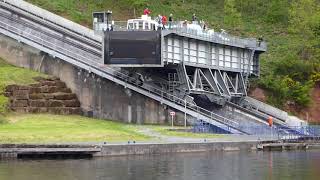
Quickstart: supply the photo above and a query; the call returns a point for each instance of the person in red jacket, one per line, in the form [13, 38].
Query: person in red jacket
[270, 121]
[164, 21]
[147, 12]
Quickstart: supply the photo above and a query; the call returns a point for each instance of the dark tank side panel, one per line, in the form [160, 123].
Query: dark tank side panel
[132, 48]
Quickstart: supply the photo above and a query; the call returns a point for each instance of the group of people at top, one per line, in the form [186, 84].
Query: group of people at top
[162, 20]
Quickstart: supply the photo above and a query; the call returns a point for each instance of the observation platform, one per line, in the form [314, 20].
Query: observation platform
[179, 43]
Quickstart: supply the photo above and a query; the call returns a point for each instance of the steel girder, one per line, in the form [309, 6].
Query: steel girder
[218, 86]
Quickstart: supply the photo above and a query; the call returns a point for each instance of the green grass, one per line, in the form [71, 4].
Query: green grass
[2, 119]
[13, 75]
[46, 128]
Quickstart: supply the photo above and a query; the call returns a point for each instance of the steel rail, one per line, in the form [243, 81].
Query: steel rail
[36, 18]
[64, 40]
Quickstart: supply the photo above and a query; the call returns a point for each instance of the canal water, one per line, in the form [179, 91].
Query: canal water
[292, 165]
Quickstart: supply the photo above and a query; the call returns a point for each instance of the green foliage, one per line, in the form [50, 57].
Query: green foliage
[14, 75]
[2, 119]
[3, 104]
[283, 89]
[315, 77]
[137, 3]
[300, 13]
[231, 15]
[277, 11]
[299, 92]
[290, 65]
[277, 88]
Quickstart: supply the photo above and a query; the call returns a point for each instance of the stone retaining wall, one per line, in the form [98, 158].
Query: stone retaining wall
[47, 96]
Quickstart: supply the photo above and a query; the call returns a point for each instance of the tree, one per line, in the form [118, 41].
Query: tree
[301, 12]
[277, 11]
[231, 15]
[304, 26]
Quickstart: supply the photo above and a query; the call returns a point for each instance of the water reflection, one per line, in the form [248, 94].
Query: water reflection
[198, 166]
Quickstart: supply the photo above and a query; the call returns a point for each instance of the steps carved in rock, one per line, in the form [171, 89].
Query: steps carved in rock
[49, 95]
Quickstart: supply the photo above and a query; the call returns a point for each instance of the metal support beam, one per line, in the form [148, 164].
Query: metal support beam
[212, 81]
[221, 82]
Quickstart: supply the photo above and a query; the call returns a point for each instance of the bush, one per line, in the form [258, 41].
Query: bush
[298, 70]
[2, 119]
[3, 104]
[3, 100]
[282, 89]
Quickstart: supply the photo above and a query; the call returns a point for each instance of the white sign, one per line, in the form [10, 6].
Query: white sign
[172, 113]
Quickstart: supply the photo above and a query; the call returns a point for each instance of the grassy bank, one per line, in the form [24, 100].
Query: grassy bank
[13, 75]
[46, 128]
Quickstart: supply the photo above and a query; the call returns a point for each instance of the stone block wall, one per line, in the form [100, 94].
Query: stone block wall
[47, 96]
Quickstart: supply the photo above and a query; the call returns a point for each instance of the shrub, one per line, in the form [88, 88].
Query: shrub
[2, 119]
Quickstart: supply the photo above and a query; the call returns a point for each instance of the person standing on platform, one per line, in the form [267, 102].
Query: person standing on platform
[194, 18]
[170, 21]
[260, 39]
[147, 12]
[164, 21]
[159, 21]
[185, 24]
[204, 26]
[270, 121]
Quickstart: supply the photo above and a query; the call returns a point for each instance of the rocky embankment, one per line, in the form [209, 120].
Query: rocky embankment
[49, 95]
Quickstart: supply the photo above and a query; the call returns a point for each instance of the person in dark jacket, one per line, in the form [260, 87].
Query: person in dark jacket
[194, 18]
[170, 21]
[159, 21]
[260, 39]
[204, 26]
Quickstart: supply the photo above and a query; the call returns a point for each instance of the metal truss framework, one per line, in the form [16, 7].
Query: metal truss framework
[218, 86]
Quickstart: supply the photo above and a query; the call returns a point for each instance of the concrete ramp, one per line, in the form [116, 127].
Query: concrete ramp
[274, 112]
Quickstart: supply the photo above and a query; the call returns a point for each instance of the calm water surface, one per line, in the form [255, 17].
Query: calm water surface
[292, 165]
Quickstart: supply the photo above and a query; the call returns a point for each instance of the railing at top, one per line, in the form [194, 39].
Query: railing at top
[194, 30]
[37, 12]
[218, 37]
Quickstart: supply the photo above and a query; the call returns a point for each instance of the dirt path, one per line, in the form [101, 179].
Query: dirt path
[160, 138]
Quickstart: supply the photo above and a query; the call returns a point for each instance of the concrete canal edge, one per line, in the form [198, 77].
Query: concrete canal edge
[149, 149]
[17, 151]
